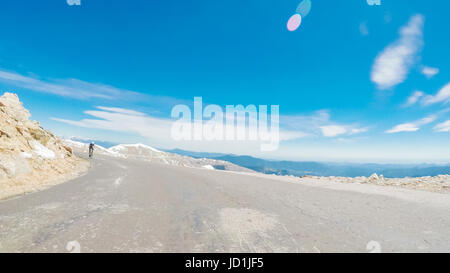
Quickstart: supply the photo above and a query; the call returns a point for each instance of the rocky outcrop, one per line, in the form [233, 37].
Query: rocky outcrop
[30, 157]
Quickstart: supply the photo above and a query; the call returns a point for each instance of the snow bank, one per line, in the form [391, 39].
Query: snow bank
[26, 155]
[122, 147]
[43, 151]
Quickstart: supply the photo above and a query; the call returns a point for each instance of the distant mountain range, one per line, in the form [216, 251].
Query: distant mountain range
[302, 168]
[323, 169]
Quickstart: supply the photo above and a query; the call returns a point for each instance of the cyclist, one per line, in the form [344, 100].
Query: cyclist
[91, 149]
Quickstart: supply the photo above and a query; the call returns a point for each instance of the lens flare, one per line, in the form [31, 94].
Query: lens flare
[304, 8]
[301, 12]
[294, 22]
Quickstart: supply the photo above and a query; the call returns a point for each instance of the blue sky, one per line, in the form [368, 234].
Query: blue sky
[355, 82]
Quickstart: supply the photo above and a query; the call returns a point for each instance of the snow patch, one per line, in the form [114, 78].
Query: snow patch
[26, 155]
[73, 143]
[122, 147]
[43, 151]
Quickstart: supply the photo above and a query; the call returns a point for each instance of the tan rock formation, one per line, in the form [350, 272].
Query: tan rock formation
[31, 158]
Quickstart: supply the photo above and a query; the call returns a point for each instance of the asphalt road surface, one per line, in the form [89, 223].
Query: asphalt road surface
[134, 206]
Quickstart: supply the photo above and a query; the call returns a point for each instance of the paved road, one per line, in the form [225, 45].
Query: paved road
[134, 206]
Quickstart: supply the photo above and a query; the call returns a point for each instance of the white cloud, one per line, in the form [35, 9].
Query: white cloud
[308, 124]
[429, 72]
[124, 120]
[414, 98]
[121, 111]
[442, 96]
[337, 130]
[68, 88]
[443, 127]
[350, 140]
[319, 123]
[333, 130]
[78, 89]
[358, 130]
[393, 64]
[405, 127]
[157, 131]
[412, 126]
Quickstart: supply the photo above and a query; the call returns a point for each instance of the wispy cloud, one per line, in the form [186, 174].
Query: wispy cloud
[68, 87]
[121, 111]
[412, 126]
[82, 90]
[443, 96]
[123, 120]
[413, 99]
[306, 123]
[443, 127]
[156, 130]
[337, 130]
[429, 72]
[353, 131]
[333, 130]
[320, 123]
[393, 64]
